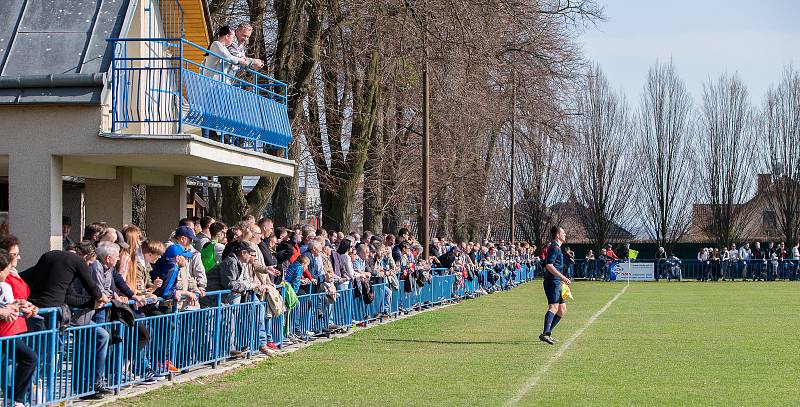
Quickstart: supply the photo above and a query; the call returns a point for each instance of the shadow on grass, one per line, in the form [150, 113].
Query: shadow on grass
[451, 342]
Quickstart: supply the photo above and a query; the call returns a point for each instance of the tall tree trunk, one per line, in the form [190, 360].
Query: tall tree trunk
[234, 204]
[391, 213]
[442, 215]
[285, 198]
[338, 214]
[258, 197]
[338, 185]
[215, 202]
[372, 178]
[139, 193]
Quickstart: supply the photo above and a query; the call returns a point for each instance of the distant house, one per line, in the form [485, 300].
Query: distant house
[113, 92]
[758, 218]
[571, 213]
[567, 214]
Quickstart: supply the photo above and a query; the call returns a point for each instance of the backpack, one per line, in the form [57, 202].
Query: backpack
[367, 294]
[207, 255]
[275, 301]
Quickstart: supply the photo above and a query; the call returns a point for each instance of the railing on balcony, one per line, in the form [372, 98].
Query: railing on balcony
[157, 90]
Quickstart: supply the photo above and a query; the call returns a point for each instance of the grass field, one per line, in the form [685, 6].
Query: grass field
[658, 344]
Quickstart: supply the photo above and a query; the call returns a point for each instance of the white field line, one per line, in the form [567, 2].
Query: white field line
[534, 380]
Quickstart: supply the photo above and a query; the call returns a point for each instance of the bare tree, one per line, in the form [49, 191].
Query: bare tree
[603, 176]
[726, 166]
[782, 127]
[295, 38]
[542, 181]
[354, 69]
[664, 151]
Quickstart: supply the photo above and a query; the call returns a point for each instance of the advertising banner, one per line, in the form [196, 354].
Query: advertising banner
[632, 271]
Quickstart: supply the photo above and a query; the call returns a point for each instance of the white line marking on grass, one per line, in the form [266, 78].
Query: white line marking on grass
[533, 381]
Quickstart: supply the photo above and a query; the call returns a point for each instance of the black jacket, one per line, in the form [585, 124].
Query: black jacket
[226, 276]
[269, 258]
[446, 260]
[51, 277]
[284, 251]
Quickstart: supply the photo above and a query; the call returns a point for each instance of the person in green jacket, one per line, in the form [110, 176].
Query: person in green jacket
[211, 252]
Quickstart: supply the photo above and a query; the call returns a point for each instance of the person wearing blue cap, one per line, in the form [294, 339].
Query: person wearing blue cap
[167, 268]
[185, 236]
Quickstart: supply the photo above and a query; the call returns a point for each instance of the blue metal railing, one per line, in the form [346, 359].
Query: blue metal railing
[68, 360]
[157, 90]
[680, 269]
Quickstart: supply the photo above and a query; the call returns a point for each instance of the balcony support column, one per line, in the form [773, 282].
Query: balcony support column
[34, 181]
[110, 201]
[166, 205]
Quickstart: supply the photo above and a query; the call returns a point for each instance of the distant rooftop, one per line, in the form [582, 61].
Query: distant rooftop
[56, 39]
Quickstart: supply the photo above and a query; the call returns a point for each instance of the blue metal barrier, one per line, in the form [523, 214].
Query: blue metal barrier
[343, 308]
[369, 312]
[69, 362]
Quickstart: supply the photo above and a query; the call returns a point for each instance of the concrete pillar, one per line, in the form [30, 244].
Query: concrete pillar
[34, 183]
[110, 201]
[73, 207]
[165, 207]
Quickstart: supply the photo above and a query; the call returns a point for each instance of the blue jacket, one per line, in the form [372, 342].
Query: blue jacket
[167, 270]
[293, 275]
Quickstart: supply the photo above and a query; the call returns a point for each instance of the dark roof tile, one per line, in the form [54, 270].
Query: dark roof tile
[42, 37]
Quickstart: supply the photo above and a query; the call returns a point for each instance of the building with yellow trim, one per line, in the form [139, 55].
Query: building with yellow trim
[113, 92]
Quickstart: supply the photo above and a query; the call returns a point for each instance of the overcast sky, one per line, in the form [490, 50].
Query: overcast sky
[702, 37]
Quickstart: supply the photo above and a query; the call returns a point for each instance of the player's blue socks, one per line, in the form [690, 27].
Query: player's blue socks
[548, 322]
[556, 318]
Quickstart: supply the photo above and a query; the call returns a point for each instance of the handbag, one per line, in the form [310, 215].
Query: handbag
[274, 301]
[367, 295]
[407, 284]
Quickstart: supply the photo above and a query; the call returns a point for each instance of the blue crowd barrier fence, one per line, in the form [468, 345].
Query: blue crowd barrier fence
[692, 269]
[69, 362]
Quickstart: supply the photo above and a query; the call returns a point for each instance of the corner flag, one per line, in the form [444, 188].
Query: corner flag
[633, 254]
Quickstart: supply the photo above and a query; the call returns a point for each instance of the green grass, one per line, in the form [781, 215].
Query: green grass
[658, 344]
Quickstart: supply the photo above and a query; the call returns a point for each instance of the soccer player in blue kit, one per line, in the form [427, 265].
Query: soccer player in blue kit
[553, 278]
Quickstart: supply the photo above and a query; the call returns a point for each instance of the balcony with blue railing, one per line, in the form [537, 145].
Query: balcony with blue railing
[156, 89]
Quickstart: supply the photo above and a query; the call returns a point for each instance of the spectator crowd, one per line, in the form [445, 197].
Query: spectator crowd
[119, 275]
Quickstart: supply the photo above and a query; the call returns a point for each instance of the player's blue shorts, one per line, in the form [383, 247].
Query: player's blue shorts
[552, 289]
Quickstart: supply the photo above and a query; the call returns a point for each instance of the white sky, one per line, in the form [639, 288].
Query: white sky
[704, 38]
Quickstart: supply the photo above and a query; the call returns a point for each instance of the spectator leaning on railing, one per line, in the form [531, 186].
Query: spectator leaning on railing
[220, 62]
[238, 47]
[14, 310]
[83, 306]
[50, 279]
[294, 279]
[110, 281]
[168, 270]
[230, 274]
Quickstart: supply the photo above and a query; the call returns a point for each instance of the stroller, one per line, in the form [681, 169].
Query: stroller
[672, 268]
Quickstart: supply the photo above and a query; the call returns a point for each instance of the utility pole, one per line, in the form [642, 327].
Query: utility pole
[426, 137]
[513, 214]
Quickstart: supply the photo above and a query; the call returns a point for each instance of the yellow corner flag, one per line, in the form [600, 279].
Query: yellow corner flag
[566, 292]
[633, 254]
